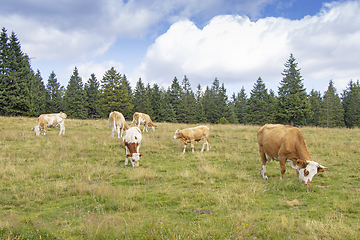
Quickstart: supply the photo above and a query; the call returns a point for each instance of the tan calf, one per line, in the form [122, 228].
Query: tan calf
[190, 135]
[50, 120]
[143, 118]
[117, 123]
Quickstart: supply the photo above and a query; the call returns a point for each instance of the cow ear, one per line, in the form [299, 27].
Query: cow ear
[301, 163]
[128, 155]
[141, 154]
[321, 169]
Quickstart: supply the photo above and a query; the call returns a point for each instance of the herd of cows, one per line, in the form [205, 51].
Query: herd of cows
[275, 141]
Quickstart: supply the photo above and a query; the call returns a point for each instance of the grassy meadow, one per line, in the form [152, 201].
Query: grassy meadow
[77, 187]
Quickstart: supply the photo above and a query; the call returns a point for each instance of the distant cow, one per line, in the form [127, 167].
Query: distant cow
[132, 141]
[286, 144]
[143, 118]
[190, 135]
[117, 123]
[50, 120]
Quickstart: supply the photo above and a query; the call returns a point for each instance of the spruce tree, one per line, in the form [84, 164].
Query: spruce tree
[92, 90]
[156, 103]
[15, 95]
[39, 96]
[293, 103]
[140, 101]
[114, 94]
[200, 116]
[317, 115]
[126, 98]
[175, 91]
[169, 112]
[4, 72]
[351, 104]
[260, 109]
[240, 104]
[186, 112]
[55, 93]
[75, 97]
[334, 112]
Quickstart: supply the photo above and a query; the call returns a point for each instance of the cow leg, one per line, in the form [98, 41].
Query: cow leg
[145, 127]
[184, 148]
[45, 127]
[121, 132]
[263, 163]
[118, 131]
[207, 145]
[192, 146]
[62, 130]
[282, 161]
[126, 157]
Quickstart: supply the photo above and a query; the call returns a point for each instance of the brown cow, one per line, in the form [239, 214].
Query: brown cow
[143, 118]
[190, 135]
[132, 141]
[117, 123]
[286, 144]
[50, 120]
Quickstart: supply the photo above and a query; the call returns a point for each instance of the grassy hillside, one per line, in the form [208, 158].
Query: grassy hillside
[77, 187]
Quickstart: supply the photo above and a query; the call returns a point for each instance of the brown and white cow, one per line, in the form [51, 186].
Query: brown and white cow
[286, 144]
[50, 120]
[143, 118]
[190, 135]
[117, 123]
[132, 141]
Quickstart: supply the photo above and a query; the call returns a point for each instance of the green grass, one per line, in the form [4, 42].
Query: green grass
[77, 187]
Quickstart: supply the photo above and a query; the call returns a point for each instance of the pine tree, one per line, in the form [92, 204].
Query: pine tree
[92, 91]
[4, 72]
[55, 92]
[126, 98]
[169, 112]
[141, 103]
[317, 116]
[175, 91]
[260, 109]
[215, 102]
[240, 104]
[39, 96]
[332, 107]
[186, 112]
[114, 94]
[200, 116]
[293, 103]
[351, 104]
[75, 97]
[156, 103]
[15, 96]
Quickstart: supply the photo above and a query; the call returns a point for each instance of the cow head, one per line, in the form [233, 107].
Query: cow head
[63, 115]
[36, 129]
[177, 134]
[308, 169]
[134, 158]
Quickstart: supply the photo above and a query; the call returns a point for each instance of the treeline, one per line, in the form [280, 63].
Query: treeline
[24, 93]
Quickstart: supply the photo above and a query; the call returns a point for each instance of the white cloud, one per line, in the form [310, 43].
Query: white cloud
[238, 50]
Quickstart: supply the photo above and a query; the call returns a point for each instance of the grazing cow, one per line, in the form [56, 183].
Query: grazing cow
[189, 135]
[143, 118]
[50, 120]
[117, 123]
[286, 144]
[132, 141]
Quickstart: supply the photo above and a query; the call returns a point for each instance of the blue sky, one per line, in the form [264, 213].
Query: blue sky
[236, 41]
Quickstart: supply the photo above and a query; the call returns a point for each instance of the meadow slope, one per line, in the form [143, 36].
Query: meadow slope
[77, 187]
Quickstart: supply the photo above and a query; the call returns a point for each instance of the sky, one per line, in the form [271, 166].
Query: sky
[235, 41]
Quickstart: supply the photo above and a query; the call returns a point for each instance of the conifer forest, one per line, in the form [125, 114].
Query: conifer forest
[24, 92]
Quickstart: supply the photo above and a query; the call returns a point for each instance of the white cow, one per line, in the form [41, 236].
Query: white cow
[50, 120]
[117, 123]
[132, 141]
